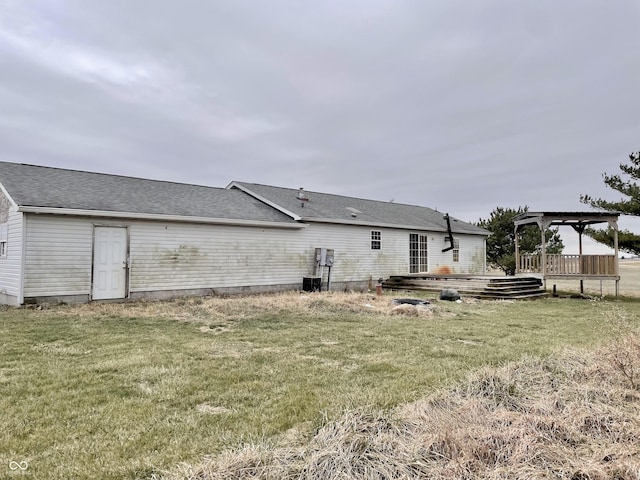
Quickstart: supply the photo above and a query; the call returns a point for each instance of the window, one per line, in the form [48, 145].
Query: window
[456, 250]
[376, 239]
[3, 239]
[455, 244]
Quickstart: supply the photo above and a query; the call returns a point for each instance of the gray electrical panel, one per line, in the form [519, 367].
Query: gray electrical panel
[324, 257]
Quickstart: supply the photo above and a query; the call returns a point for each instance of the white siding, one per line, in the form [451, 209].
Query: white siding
[171, 256]
[168, 256]
[472, 254]
[354, 258]
[57, 256]
[11, 265]
[177, 256]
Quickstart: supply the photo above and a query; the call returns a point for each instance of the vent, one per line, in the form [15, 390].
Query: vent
[354, 211]
[302, 197]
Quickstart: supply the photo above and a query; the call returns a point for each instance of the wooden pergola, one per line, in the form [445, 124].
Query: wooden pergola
[576, 267]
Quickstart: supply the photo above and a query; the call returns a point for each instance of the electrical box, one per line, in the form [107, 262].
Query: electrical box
[329, 257]
[324, 257]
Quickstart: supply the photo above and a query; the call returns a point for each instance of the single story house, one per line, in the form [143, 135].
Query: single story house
[76, 236]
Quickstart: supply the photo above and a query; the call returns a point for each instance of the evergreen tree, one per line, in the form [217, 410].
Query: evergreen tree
[627, 186]
[501, 245]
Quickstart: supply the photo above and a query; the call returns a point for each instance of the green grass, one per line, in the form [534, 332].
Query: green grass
[125, 391]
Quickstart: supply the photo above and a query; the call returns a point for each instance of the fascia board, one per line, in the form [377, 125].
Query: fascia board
[6, 194]
[532, 217]
[159, 217]
[423, 228]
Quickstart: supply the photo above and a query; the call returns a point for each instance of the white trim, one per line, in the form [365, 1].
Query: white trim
[421, 228]
[237, 185]
[6, 194]
[162, 217]
[378, 240]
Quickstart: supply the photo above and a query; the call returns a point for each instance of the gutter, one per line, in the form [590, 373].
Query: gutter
[159, 217]
[423, 228]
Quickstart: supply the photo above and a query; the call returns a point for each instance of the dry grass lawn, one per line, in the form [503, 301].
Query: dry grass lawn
[322, 386]
[574, 417]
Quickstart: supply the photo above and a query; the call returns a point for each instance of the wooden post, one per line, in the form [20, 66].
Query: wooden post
[616, 260]
[543, 258]
[580, 229]
[515, 234]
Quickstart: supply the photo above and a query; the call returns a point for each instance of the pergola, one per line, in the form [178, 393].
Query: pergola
[579, 267]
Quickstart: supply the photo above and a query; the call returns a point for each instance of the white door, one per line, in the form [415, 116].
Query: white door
[418, 253]
[109, 263]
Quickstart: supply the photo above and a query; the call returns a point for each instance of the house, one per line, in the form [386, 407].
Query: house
[75, 236]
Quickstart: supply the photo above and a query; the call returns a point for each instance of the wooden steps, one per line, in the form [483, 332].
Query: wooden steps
[511, 288]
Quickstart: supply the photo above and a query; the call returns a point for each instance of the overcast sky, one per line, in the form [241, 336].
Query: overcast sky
[459, 105]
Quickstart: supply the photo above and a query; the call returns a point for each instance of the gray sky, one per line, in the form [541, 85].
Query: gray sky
[459, 105]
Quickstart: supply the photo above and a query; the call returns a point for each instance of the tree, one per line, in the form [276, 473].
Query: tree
[501, 245]
[626, 184]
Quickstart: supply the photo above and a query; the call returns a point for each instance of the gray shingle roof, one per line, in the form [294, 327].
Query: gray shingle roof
[337, 208]
[37, 186]
[48, 187]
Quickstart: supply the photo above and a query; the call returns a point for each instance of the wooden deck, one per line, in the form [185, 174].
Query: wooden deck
[488, 287]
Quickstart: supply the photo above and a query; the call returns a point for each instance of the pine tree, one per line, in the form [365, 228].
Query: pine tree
[501, 245]
[625, 184]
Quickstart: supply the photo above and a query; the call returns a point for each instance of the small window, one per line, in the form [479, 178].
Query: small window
[456, 250]
[376, 240]
[3, 239]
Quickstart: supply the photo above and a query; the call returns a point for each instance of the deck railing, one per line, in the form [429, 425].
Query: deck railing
[578, 265]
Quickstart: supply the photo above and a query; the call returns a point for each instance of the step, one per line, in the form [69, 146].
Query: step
[474, 286]
[512, 287]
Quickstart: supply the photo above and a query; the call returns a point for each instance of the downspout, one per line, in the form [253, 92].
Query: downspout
[23, 258]
[484, 257]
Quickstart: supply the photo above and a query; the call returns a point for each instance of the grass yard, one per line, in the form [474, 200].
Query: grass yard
[130, 390]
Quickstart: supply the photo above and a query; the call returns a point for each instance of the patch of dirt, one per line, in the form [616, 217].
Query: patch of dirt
[412, 310]
[212, 409]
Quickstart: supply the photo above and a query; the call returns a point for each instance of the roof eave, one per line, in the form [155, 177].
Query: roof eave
[558, 219]
[389, 225]
[159, 217]
[9, 197]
